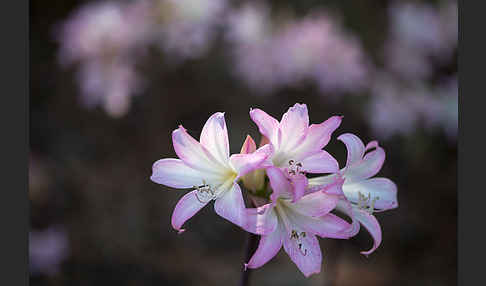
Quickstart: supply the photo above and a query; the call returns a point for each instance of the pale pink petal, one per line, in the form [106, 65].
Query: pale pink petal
[245, 163]
[299, 185]
[294, 125]
[315, 204]
[345, 207]
[372, 225]
[249, 146]
[335, 187]
[267, 248]
[174, 173]
[318, 183]
[261, 220]
[187, 207]
[320, 162]
[318, 135]
[328, 225]
[371, 145]
[382, 188]
[214, 137]
[194, 154]
[280, 184]
[354, 146]
[230, 205]
[368, 167]
[305, 252]
[267, 125]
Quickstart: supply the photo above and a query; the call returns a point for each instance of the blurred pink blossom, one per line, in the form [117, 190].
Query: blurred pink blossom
[187, 27]
[313, 48]
[419, 32]
[104, 38]
[47, 250]
[396, 108]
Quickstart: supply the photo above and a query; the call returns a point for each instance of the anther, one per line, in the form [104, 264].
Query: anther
[204, 193]
[304, 252]
[366, 203]
[295, 169]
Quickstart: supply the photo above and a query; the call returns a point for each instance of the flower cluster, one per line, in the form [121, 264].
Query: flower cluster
[288, 208]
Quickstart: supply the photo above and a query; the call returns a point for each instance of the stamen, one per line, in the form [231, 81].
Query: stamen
[366, 203]
[298, 237]
[304, 252]
[204, 193]
[295, 169]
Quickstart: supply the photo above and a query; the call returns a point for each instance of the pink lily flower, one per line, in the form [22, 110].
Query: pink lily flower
[208, 169]
[362, 195]
[295, 223]
[298, 146]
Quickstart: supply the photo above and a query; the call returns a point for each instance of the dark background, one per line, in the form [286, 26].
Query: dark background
[89, 175]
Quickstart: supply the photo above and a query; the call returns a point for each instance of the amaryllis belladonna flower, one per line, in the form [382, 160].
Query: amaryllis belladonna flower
[298, 146]
[208, 169]
[362, 195]
[295, 223]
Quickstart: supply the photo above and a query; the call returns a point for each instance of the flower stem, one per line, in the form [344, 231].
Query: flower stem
[250, 247]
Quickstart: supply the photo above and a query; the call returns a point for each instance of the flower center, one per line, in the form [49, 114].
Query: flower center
[295, 168]
[294, 235]
[366, 203]
[204, 193]
[207, 192]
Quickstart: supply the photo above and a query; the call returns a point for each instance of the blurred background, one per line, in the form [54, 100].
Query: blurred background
[110, 80]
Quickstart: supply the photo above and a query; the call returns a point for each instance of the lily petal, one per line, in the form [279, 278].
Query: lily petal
[299, 185]
[194, 154]
[268, 247]
[280, 184]
[383, 188]
[372, 225]
[318, 135]
[366, 168]
[354, 146]
[345, 207]
[328, 225]
[371, 145]
[320, 162]
[294, 125]
[245, 163]
[315, 204]
[174, 173]
[214, 137]
[308, 256]
[186, 208]
[261, 220]
[318, 183]
[267, 125]
[231, 205]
